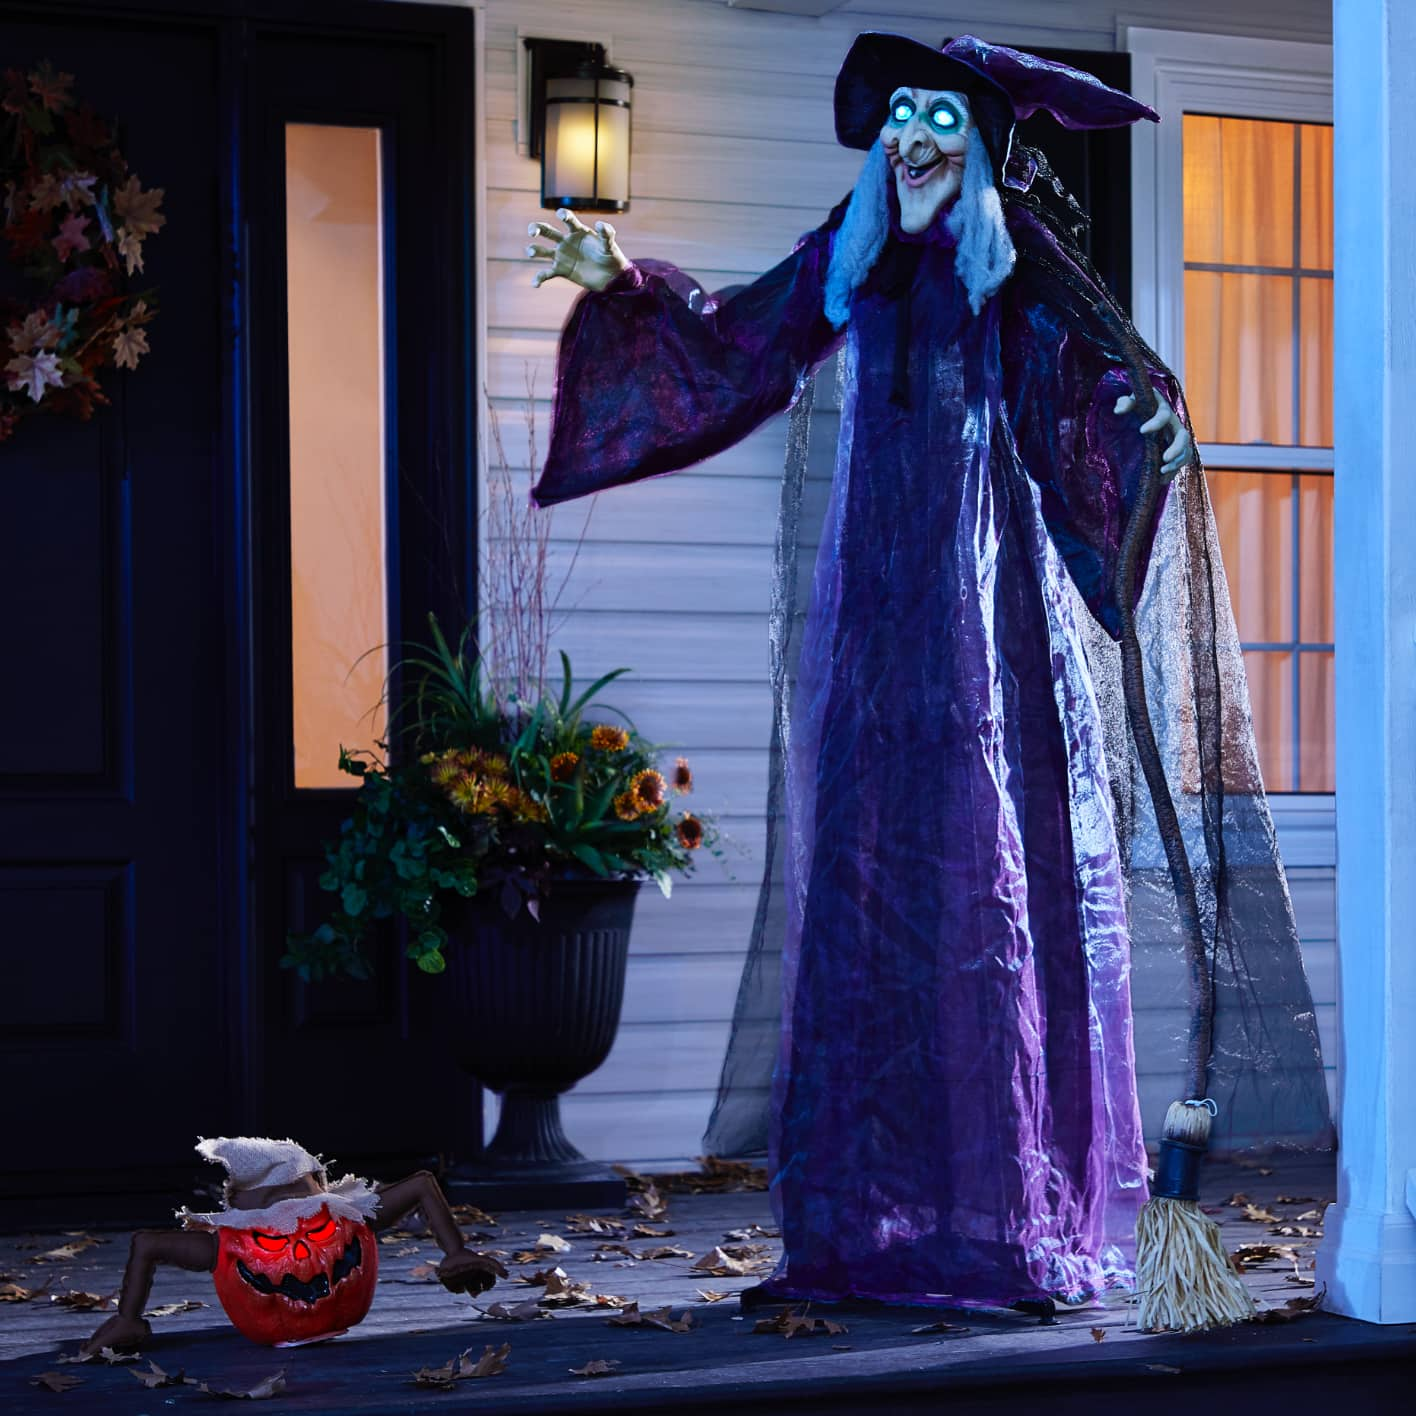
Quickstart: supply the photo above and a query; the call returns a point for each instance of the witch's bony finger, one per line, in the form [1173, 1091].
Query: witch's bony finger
[573, 222]
[1124, 404]
[607, 233]
[541, 277]
[539, 253]
[545, 231]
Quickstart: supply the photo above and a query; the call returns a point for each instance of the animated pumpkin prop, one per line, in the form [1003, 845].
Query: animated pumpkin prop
[294, 1258]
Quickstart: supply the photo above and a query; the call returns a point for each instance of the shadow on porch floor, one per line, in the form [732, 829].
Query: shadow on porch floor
[879, 1364]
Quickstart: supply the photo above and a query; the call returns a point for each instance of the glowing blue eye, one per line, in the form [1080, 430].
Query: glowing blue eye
[902, 112]
[945, 119]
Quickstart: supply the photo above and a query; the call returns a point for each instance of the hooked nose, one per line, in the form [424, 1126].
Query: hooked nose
[300, 1249]
[915, 142]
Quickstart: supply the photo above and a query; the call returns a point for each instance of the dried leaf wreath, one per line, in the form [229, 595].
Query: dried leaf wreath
[75, 220]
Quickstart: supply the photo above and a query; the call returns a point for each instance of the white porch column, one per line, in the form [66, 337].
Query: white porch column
[1368, 1258]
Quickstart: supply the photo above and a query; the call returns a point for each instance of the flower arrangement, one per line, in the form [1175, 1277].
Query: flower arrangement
[75, 220]
[491, 797]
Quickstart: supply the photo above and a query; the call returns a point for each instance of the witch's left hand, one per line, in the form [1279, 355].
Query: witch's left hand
[1164, 420]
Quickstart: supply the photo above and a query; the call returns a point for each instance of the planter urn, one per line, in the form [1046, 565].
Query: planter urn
[534, 1008]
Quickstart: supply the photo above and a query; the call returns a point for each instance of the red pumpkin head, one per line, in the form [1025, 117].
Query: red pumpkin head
[281, 1288]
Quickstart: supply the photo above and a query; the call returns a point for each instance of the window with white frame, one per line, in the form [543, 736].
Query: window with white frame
[1232, 216]
[1258, 376]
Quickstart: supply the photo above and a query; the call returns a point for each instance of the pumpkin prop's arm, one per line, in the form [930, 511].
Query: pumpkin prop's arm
[462, 1270]
[191, 1249]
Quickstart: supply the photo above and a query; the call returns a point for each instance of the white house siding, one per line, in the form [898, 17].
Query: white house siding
[733, 158]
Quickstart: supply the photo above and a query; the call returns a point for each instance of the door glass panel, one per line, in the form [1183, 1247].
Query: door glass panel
[338, 594]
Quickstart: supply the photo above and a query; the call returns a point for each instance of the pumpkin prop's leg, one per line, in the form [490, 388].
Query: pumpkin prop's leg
[463, 1270]
[191, 1249]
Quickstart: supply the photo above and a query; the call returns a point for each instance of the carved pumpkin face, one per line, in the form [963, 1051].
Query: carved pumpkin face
[314, 1282]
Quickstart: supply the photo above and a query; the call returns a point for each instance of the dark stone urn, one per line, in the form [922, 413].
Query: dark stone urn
[535, 1008]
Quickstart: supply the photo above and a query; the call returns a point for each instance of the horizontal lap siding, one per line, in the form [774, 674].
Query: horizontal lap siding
[734, 158]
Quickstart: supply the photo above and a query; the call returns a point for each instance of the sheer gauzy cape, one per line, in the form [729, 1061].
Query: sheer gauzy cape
[654, 376]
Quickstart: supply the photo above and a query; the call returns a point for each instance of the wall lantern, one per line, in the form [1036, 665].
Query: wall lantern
[579, 127]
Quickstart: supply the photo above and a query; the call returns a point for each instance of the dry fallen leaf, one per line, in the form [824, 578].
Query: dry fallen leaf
[541, 1277]
[263, 1390]
[648, 1203]
[1299, 1200]
[753, 1231]
[594, 1224]
[650, 1231]
[396, 1236]
[1297, 1231]
[13, 1293]
[721, 1264]
[66, 1252]
[790, 1323]
[1098, 1334]
[710, 1295]
[597, 1367]
[954, 1329]
[1293, 1308]
[491, 1363]
[56, 1381]
[424, 1273]
[156, 1377]
[666, 1251]
[660, 1318]
[564, 1292]
[81, 1302]
[1239, 1198]
[470, 1214]
[552, 1244]
[1257, 1214]
[605, 1252]
[110, 1355]
[1248, 1255]
[522, 1312]
[167, 1310]
[1311, 1214]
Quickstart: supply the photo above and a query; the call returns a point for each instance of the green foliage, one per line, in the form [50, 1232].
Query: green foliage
[479, 799]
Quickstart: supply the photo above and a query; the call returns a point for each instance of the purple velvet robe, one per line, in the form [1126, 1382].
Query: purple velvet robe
[954, 1105]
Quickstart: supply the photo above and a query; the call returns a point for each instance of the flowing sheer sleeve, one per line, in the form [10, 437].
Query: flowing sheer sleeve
[652, 376]
[1062, 381]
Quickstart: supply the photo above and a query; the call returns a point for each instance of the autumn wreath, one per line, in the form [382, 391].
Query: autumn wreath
[75, 222]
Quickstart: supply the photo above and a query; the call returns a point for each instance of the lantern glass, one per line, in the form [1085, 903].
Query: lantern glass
[585, 163]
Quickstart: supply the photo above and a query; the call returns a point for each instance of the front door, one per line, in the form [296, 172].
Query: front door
[174, 642]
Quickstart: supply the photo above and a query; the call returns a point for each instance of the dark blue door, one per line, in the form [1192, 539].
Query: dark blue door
[154, 846]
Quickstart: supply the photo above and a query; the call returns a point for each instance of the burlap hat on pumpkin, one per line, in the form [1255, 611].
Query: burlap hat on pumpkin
[275, 1184]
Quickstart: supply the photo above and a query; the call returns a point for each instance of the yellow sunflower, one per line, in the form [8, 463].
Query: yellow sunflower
[627, 807]
[649, 789]
[563, 766]
[609, 738]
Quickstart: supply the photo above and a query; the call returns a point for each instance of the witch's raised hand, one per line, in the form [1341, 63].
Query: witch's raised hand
[588, 258]
[1164, 420]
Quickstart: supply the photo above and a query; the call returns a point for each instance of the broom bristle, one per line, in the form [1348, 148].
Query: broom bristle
[1185, 1279]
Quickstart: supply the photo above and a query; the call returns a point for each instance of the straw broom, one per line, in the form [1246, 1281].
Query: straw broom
[1185, 1279]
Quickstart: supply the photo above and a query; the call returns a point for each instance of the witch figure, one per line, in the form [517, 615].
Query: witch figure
[953, 1106]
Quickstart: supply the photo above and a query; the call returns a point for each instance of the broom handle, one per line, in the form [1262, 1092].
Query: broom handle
[1134, 685]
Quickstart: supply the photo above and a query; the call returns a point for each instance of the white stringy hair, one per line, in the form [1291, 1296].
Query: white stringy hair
[985, 255]
[861, 237]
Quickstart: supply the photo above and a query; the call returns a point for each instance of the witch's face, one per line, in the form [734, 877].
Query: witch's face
[924, 138]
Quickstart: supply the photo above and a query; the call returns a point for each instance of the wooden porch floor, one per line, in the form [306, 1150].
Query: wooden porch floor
[879, 1364]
